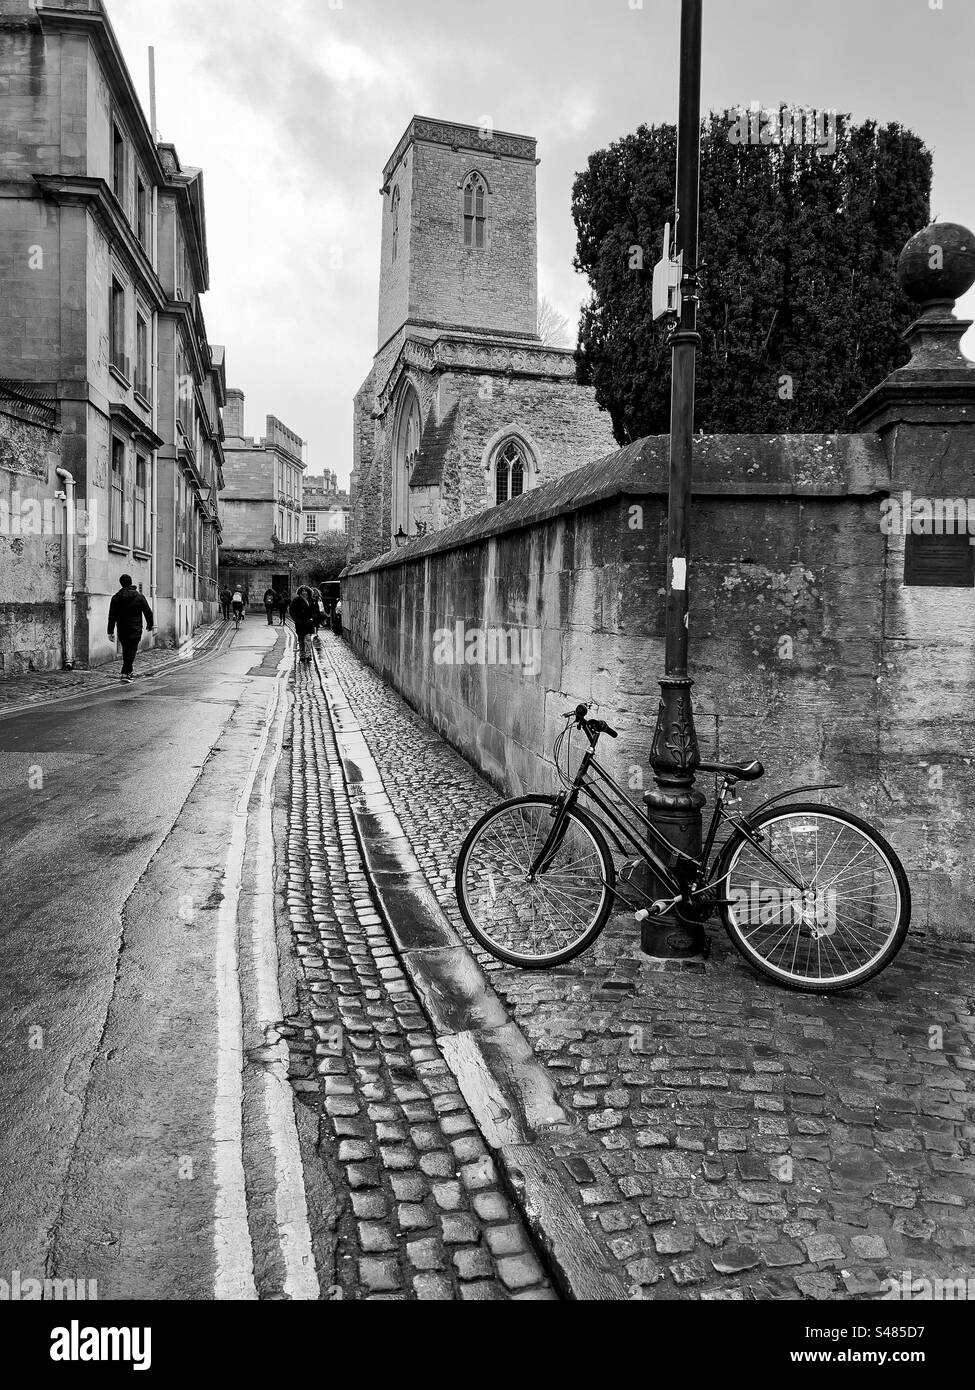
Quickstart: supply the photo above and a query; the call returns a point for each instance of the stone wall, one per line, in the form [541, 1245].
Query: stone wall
[31, 545]
[801, 650]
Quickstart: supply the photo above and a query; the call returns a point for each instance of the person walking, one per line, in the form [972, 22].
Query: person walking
[283, 601]
[270, 604]
[126, 613]
[226, 598]
[302, 612]
[319, 605]
[337, 619]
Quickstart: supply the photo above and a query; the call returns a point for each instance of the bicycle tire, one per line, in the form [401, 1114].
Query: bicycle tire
[877, 962]
[550, 959]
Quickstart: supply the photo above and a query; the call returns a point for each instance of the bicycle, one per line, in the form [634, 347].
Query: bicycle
[238, 618]
[812, 896]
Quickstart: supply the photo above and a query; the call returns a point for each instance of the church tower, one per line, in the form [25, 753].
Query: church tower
[459, 241]
[464, 407]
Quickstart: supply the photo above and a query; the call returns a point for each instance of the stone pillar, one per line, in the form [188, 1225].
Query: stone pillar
[925, 415]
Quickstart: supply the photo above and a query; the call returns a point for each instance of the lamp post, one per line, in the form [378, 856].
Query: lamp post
[675, 804]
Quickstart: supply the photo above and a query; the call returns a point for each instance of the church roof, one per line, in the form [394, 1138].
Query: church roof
[428, 470]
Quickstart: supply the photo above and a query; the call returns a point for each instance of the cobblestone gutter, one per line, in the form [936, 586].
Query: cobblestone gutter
[426, 1216]
[733, 1140]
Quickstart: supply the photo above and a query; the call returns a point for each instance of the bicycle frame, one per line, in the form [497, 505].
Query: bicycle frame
[696, 879]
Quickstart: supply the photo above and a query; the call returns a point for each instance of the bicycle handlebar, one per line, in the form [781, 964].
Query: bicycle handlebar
[596, 726]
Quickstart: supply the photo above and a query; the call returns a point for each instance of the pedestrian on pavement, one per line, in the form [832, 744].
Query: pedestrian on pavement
[283, 601]
[302, 612]
[337, 620]
[226, 598]
[270, 604]
[319, 609]
[125, 614]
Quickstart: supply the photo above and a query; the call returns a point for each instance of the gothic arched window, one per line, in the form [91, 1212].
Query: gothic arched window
[510, 471]
[394, 216]
[475, 212]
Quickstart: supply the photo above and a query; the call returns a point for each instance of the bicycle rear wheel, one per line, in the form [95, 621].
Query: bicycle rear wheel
[541, 923]
[829, 913]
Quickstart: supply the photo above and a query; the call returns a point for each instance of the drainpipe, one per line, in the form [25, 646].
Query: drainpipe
[69, 496]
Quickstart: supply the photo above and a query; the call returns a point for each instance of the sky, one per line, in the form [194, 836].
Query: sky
[293, 108]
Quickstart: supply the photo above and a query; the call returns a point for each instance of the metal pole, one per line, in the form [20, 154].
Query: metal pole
[675, 805]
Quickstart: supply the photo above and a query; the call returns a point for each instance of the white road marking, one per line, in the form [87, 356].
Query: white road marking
[234, 1252]
[294, 1231]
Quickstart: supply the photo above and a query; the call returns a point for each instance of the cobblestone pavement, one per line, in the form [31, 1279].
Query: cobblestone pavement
[735, 1140]
[426, 1217]
[39, 687]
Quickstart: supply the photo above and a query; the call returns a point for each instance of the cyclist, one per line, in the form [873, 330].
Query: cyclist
[237, 605]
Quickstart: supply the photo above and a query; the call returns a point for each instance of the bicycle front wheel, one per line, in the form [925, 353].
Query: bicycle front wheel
[534, 924]
[822, 905]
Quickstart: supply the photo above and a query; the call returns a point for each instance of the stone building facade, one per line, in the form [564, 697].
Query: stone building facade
[325, 511]
[263, 482]
[260, 505]
[103, 259]
[464, 406]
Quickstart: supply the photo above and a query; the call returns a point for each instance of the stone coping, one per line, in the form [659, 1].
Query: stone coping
[756, 465]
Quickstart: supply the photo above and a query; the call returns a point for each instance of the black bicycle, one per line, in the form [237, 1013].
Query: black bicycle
[812, 896]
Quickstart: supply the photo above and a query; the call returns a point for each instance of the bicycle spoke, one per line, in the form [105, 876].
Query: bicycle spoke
[841, 925]
[533, 919]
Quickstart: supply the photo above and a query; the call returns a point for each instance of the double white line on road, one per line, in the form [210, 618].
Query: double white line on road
[234, 1251]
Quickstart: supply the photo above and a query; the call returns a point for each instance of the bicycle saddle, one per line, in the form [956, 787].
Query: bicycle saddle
[742, 772]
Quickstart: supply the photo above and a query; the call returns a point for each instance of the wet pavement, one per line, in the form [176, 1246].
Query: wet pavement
[726, 1139]
[43, 687]
[424, 1215]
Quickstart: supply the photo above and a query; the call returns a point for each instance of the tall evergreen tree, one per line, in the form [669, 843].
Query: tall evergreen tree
[801, 312]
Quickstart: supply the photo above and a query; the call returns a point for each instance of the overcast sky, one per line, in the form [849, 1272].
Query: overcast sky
[293, 108]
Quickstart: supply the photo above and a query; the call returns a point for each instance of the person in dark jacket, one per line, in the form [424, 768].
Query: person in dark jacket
[126, 613]
[302, 612]
[270, 604]
[283, 602]
[226, 597]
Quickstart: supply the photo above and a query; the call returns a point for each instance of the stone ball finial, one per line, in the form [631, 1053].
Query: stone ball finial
[938, 264]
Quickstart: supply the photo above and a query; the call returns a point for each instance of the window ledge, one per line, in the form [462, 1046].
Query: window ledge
[119, 375]
[143, 400]
[118, 548]
[141, 554]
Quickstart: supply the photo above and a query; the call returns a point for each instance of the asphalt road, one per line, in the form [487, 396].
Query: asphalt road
[116, 815]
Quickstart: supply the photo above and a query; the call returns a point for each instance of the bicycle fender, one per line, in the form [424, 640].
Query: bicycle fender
[793, 791]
